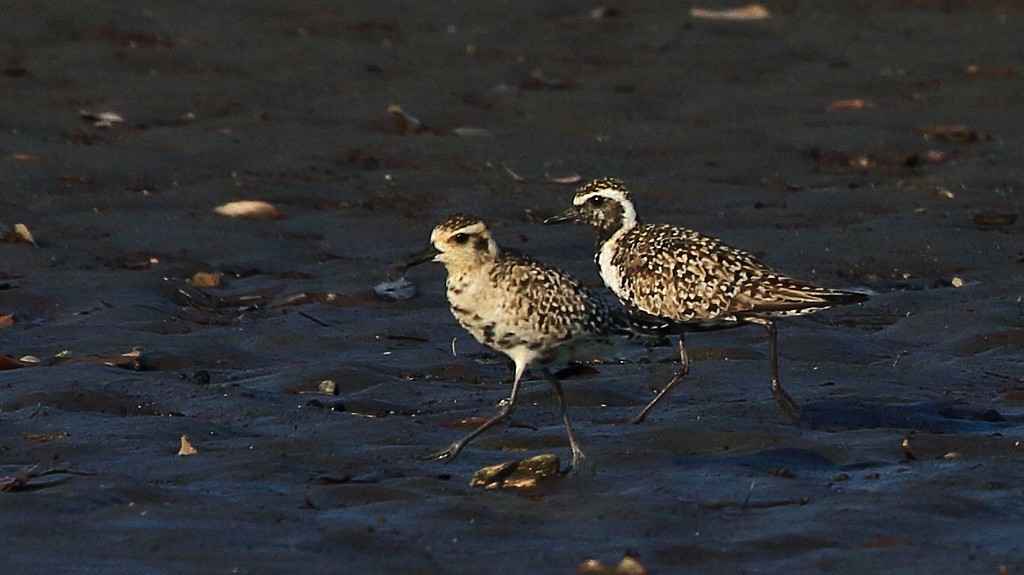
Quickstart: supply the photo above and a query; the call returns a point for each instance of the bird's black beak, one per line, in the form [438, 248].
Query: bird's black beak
[569, 215]
[426, 255]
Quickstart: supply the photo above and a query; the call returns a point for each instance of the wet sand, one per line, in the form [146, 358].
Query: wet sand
[720, 126]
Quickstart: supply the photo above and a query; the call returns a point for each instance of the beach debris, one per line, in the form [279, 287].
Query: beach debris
[951, 133]
[908, 455]
[409, 124]
[249, 209]
[836, 160]
[538, 80]
[325, 298]
[7, 362]
[328, 387]
[29, 479]
[18, 234]
[471, 132]
[46, 437]
[186, 447]
[466, 422]
[628, 566]
[7, 320]
[133, 360]
[103, 120]
[75, 180]
[851, 104]
[204, 280]
[518, 473]
[993, 220]
[26, 157]
[990, 70]
[743, 13]
[399, 289]
[568, 180]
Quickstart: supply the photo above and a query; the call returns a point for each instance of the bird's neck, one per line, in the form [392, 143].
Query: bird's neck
[611, 227]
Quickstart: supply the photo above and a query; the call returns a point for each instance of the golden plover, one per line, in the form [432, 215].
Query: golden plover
[692, 280]
[510, 302]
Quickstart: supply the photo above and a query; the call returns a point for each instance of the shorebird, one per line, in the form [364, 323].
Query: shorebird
[533, 313]
[691, 280]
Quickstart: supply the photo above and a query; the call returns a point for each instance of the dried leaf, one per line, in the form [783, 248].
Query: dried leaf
[249, 209]
[7, 320]
[951, 133]
[186, 447]
[743, 13]
[46, 437]
[993, 220]
[22, 233]
[851, 104]
[991, 70]
[18, 234]
[517, 474]
[77, 180]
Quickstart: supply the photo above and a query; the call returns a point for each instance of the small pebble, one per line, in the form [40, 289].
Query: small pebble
[205, 280]
[328, 387]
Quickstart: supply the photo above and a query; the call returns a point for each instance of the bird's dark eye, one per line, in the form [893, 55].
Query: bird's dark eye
[596, 200]
[460, 239]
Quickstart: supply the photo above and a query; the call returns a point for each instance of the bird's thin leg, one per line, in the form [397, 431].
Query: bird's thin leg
[785, 401]
[577, 453]
[452, 451]
[684, 359]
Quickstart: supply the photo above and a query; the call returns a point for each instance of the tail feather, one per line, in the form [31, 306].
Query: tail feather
[794, 300]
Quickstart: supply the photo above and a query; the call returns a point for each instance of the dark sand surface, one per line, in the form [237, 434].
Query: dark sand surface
[720, 126]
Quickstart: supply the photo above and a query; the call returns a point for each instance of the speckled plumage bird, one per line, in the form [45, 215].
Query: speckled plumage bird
[690, 279]
[533, 313]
